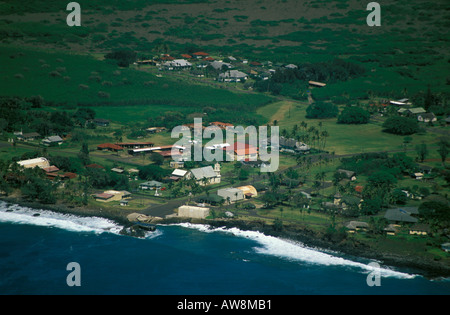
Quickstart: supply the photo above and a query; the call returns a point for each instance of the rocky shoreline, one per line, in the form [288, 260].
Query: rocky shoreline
[426, 268]
[349, 247]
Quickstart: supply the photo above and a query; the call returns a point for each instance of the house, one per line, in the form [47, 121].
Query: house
[413, 112]
[109, 147]
[178, 174]
[155, 129]
[150, 185]
[112, 195]
[117, 170]
[291, 66]
[28, 136]
[101, 122]
[347, 174]
[221, 125]
[50, 169]
[40, 162]
[206, 175]
[447, 120]
[177, 64]
[316, 84]
[218, 65]
[156, 149]
[349, 201]
[391, 229]
[419, 229]
[135, 145]
[200, 55]
[176, 164]
[232, 76]
[354, 226]
[446, 247]
[426, 117]
[52, 140]
[399, 216]
[294, 144]
[193, 212]
[231, 194]
[241, 151]
[417, 175]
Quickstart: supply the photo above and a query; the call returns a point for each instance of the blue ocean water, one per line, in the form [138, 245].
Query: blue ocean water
[177, 260]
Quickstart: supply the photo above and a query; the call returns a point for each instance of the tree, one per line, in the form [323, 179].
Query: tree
[321, 110]
[354, 115]
[123, 57]
[156, 158]
[422, 151]
[401, 125]
[380, 184]
[444, 149]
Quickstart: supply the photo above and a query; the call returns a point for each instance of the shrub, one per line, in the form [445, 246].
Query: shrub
[321, 110]
[401, 125]
[354, 115]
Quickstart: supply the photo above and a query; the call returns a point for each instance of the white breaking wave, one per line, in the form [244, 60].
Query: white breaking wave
[296, 251]
[23, 215]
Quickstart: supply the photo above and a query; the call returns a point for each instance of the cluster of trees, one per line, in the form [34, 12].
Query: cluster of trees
[321, 110]
[23, 114]
[353, 115]
[123, 57]
[336, 70]
[401, 125]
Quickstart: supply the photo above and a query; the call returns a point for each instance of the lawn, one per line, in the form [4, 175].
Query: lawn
[343, 139]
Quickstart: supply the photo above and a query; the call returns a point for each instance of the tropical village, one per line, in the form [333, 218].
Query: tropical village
[363, 166]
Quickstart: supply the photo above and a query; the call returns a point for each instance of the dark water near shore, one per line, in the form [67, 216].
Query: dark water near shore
[182, 259]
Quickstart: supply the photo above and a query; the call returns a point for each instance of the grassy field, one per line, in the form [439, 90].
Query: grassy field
[343, 139]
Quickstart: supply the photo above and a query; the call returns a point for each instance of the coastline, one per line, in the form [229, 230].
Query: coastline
[426, 268]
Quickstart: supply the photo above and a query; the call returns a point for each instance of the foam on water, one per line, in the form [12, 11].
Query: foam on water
[286, 249]
[23, 215]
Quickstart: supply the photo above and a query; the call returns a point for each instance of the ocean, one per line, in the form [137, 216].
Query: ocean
[183, 259]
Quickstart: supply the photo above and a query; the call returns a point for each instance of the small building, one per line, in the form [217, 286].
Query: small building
[28, 136]
[347, 174]
[232, 76]
[109, 147]
[399, 216]
[193, 212]
[354, 226]
[40, 162]
[200, 54]
[206, 175]
[178, 174]
[419, 229]
[446, 247]
[52, 141]
[426, 117]
[150, 185]
[155, 129]
[112, 195]
[391, 229]
[231, 194]
[221, 125]
[135, 145]
[176, 164]
[101, 122]
[316, 84]
[242, 151]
